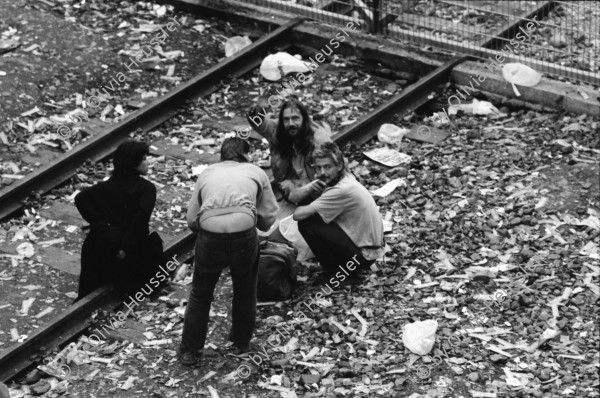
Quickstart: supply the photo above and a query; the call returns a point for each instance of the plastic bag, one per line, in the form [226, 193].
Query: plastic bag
[419, 337]
[181, 273]
[26, 249]
[476, 108]
[519, 74]
[289, 229]
[235, 44]
[275, 66]
[391, 134]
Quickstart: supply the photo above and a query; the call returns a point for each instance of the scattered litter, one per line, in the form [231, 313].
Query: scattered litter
[44, 312]
[199, 28]
[275, 66]
[129, 383]
[389, 187]
[181, 273]
[236, 44]
[25, 249]
[519, 74]
[388, 157]
[476, 108]
[158, 342]
[52, 242]
[419, 336]
[26, 305]
[391, 134]
[7, 45]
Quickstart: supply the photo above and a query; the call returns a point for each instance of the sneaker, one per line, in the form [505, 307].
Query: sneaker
[188, 358]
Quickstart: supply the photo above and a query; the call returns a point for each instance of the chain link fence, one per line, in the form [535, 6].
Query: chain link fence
[559, 38]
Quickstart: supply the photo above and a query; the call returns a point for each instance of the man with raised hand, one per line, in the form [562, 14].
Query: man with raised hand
[292, 138]
[343, 225]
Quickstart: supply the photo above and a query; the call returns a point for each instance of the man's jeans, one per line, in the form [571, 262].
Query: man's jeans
[214, 253]
[330, 244]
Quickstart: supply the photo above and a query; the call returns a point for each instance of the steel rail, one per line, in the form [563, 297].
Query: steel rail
[511, 29]
[412, 98]
[73, 321]
[106, 142]
[419, 93]
[76, 319]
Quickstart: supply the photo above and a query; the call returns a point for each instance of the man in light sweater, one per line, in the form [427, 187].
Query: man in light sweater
[230, 200]
[343, 226]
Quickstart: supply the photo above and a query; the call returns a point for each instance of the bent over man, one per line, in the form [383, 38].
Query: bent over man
[230, 200]
[292, 138]
[343, 224]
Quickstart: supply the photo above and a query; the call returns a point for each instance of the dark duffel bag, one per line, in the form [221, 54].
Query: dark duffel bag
[276, 270]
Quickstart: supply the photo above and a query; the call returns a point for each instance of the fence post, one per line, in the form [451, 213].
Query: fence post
[375, 26]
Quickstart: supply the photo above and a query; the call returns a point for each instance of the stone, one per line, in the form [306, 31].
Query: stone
[311, 379]
[40, 388]
[496, 358]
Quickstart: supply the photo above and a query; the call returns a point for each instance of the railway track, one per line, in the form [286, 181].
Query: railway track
[74, 321]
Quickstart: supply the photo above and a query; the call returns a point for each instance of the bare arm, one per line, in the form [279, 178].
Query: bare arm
[260, 119]
[194, 208]
[303, 212]
[299, 194]
[266, 206]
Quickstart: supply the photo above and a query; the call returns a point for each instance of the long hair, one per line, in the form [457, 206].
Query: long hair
[235, 148]
[128, 157]
[305, 134]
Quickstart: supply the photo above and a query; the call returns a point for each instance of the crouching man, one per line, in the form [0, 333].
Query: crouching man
[343, 224]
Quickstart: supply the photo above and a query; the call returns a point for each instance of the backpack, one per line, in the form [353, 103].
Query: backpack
[276, 270]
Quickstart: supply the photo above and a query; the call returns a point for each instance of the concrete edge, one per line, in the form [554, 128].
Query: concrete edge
[547, 93]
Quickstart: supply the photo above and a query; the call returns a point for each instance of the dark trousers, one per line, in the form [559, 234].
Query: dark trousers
[100, 265]
[330, 244]
[214, 253]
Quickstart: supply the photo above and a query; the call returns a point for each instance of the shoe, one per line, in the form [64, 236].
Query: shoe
[188, 358]
[322, 278]
[237, 348]
[353, 279]
[241, 349]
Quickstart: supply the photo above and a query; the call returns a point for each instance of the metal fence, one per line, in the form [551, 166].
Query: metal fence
[560, 38]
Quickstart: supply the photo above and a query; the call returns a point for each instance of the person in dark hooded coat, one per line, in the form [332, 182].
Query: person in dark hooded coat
[119, 249]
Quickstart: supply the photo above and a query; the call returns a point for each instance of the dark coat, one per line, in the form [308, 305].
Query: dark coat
[118, 211]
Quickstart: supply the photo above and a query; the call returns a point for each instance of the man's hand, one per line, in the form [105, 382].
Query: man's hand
[316, 188]
[311, 190]
[262, 102]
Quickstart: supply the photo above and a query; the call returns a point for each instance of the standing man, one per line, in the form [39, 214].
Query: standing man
[230, 200]
[292, 138]
[343, 224]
